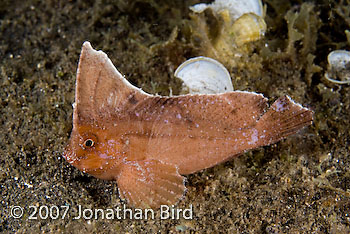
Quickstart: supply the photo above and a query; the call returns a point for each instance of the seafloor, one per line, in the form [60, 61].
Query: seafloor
[299, 185]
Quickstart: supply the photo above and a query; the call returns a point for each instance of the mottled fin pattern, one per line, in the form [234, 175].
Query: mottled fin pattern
[101, 91]
[150, 183]
[285, 117]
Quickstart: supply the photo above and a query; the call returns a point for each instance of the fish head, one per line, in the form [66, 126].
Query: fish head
[94, 151]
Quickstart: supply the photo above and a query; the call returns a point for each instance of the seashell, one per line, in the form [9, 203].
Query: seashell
[338, 67]
[236, 8]
[243, 20]
[203, 75]
[249, 27]
[338, 59]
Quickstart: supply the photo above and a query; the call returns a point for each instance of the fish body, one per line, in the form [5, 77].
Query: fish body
[146, 142]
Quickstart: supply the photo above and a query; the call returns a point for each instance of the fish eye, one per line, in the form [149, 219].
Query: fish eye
[88, 143]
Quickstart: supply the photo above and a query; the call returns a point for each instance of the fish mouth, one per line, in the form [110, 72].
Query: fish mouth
[69, 155]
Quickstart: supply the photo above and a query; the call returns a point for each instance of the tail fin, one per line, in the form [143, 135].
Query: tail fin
[285, 117]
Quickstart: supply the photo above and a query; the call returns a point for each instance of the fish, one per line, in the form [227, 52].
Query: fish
[147, 143]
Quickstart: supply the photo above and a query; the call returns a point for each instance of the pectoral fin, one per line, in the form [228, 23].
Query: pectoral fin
[150, 183]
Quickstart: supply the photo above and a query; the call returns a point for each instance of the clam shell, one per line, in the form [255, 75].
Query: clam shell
[237, 8]
[338, 67]
[338, 58]
[202, 75]
[249, 27]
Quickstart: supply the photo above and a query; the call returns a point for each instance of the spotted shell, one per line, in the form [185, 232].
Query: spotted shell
[338, 67]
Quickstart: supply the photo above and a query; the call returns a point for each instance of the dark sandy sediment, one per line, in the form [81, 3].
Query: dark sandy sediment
[299, 185]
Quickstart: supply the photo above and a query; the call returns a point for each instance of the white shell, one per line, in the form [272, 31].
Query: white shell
[339, 67]
[236, 7]
[338, 58]
[202, 75]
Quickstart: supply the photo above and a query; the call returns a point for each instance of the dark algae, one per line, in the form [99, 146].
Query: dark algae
[298, 185]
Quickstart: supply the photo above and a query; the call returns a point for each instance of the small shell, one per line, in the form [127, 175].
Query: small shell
[338, 67]
[237, 8]
[338, 59]
[202, 75]
[244, 19]
[249, 27]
